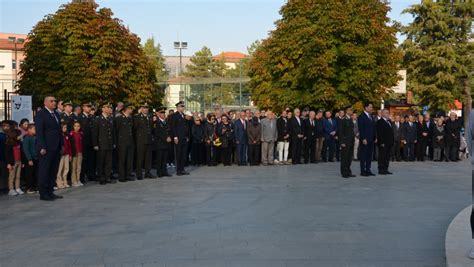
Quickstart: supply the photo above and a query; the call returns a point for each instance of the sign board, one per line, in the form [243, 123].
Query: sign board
[22, 108]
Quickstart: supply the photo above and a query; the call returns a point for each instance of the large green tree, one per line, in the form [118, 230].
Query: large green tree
[326, 54]
[81, 53]
[438, 53]
[155, 55]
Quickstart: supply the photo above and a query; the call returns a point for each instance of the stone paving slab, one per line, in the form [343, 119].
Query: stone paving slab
[302, 215]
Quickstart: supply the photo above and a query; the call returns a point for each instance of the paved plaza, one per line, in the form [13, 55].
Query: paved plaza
[302, 215]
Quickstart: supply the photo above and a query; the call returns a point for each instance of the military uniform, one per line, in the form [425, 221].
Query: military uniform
[346, 138]
[179, 128]
[142, 125]
[69, 120]
[88, 153]
[103, 140]
[125, 146]
[161, 134]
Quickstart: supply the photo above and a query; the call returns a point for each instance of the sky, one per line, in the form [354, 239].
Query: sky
[222, 25]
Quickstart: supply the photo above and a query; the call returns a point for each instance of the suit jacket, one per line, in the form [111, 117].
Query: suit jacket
[179, 127]
[424, 128]
[241, 131]
[384, 133]
[269, 130]
[409, 134]
[161, 132]
[366, 127]
[453, 132]
[282, 129]
[48, 130]
[295, 128]
[124, 130]
[397, 131]
[346, 131]
[103, 133]
[309, 130]
[143, 126]
[328, 127]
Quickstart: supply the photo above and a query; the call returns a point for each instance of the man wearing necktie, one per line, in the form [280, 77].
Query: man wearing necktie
[49, 141]
[367, 138]
[385, 140]
[346, 142]
[180, 135]
[310, 138]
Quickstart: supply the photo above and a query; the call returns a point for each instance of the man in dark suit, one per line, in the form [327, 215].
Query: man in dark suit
[385, 140]
[330, 131]
[125, 145]
[180, 132]
[345, 129]
[103, 140]
[295, 129]
[409, 138]
[88, 153]
[309, 127]
[397, 137]
[143, 125]
[49, 141]
[367, 137]
[425, 136]
[241, 138]
[162, 136]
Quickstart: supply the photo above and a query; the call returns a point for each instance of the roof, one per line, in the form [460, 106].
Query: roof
[5, 44]
[231, 56]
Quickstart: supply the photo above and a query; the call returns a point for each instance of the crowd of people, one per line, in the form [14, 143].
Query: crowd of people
[73, 145]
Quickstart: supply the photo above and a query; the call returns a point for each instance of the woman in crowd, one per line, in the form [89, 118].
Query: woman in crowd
[209, 138]
[24, 123]
[197, 149]
[438, 140]
[225, 132]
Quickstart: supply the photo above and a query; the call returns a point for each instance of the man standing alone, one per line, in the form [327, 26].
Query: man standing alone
[385, 140]
[367, 136]
[48, 142]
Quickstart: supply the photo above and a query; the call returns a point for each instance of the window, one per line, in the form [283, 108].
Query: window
[13, 64]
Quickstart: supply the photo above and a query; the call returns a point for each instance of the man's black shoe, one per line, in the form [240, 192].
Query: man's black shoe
[388, 172]
[382, 173]
[54, 196]
[167, 175]
[352, 175]
[180, 173]
[139, 178]
[102, 182]
[364, 174]
[185, 173]
[150, 176]
[46, 198]
[345, 176]
[112, 181]
[371, 174]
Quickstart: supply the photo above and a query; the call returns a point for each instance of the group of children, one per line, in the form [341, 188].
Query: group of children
[20, 158]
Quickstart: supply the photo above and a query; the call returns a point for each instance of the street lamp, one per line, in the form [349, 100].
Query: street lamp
[180, 46]
[15, 41]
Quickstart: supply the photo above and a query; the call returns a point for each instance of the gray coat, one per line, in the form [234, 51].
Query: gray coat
[269, 130]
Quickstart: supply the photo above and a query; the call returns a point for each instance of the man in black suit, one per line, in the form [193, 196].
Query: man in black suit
[88, 153]
[367, 136]
[409, 138]
[425, 136]
[103, 140]
[125, 145]
[310, 138]
[143, 126]
[49, 141]
[180, 132]
[162, 136]
[385, 140]
[296, 133]
[397, 127]
[345, 130]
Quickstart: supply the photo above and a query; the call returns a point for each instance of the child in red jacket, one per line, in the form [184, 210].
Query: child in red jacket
[66, 155]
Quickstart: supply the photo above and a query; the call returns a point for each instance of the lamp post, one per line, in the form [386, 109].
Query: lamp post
[180, 46]
[15, 41]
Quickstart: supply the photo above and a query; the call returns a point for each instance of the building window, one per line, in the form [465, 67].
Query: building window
[13, 64]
